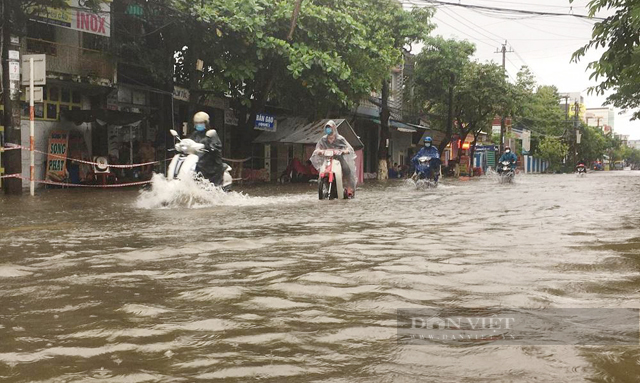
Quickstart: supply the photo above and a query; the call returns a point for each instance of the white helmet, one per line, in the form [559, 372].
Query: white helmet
[201, 117]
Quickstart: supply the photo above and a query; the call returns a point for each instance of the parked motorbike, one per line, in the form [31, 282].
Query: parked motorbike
[581, 170]
[507, 173]
[330, 184]
[185, 163]
[425, 176]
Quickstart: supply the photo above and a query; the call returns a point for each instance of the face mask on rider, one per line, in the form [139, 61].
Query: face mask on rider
[427, 144]
[201, 127]
[508, 151]
[328, 130]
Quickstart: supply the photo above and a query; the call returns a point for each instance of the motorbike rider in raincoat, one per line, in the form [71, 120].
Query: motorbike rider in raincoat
[508, 155]
[210, 164]
[333, 140]
[428, 150]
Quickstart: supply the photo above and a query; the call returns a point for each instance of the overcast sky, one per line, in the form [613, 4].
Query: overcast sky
[543, 43]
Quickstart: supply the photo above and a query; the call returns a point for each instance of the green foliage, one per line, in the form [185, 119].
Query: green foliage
[438, 67]
[553, 150]
[593, 144]
[339, 52]
[536, 107]
[618, 69]
[482, 94]
[632, 157]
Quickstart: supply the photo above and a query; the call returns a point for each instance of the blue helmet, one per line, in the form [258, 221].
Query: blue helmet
[428, 139]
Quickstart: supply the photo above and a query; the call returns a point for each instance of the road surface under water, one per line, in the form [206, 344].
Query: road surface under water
[277, 286]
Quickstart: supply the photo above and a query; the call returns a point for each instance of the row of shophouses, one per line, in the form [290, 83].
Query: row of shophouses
[106, 108]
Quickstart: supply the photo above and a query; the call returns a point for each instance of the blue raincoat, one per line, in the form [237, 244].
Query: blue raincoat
[511, 157]
[430, 151]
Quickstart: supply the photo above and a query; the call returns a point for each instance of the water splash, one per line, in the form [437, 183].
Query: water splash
[195, 194]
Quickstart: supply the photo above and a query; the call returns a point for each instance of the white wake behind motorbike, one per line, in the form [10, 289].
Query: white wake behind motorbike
[184, 164]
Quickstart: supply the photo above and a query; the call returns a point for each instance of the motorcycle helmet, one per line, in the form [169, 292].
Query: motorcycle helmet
[507, 149]
[330, 127]
[428, 141]
[200, 121]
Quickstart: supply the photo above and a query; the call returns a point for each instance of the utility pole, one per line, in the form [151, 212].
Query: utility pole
[503, 126]
[12, 160]
[574, 136]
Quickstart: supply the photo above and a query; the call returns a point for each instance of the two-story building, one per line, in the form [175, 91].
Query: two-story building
[79, 75]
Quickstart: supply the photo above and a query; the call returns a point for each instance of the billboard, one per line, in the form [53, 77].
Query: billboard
[78, 18]
[57, 158]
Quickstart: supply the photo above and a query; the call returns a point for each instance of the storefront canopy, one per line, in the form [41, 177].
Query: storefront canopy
[401, 126]
[102, 116]
[294, 131]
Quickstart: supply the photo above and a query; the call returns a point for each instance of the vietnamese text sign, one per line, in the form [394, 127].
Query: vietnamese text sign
[265, 122]
[230, 118]
[180, 93]
[14, 55]
[57, 158]
[79, 18]
[14, 71]
[39, 69]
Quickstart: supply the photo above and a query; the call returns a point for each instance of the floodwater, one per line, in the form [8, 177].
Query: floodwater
[118, 286]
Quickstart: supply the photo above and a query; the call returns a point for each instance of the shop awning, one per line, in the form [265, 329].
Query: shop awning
[295, 131]
[110, 117]
[402, 126]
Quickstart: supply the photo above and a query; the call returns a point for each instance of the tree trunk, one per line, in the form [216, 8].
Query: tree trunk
[294, 19]
[383, 150]
[472, 150]
[449, 130]
[12, 160]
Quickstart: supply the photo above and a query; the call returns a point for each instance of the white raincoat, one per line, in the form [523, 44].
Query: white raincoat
[347, 161]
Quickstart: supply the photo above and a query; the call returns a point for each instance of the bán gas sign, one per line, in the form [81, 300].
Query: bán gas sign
[265, 122]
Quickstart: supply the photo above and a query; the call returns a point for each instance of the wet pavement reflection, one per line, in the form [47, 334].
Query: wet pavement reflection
[184, 285]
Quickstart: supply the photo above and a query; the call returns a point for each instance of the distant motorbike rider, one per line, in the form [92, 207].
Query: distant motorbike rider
[333, 140]
[580, 167]
[509, 156]
[428, 150]
[210, 164]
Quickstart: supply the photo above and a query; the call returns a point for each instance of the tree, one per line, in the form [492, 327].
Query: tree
[593, 144]
[553, 150]
[482, 94]
[325, 56]
[438, 72]
[633, 158]
[618, 69]
[390, 21]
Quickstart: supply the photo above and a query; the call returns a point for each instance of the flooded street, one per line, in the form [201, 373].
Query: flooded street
[278, 286]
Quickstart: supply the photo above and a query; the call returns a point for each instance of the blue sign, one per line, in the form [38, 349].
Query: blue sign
[265, 122]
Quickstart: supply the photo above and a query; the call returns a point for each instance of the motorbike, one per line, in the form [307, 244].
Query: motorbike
[330, 184]
[506, 172]
[581, 170]
[184, 164]
[425, 176]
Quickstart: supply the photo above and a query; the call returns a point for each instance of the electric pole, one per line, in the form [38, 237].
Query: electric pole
[11, 160]
[503, 126]
[574, 136]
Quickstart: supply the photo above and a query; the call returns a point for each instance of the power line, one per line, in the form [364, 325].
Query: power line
[499, 38]
[465, 33]
[520, 3]
[509, 10]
